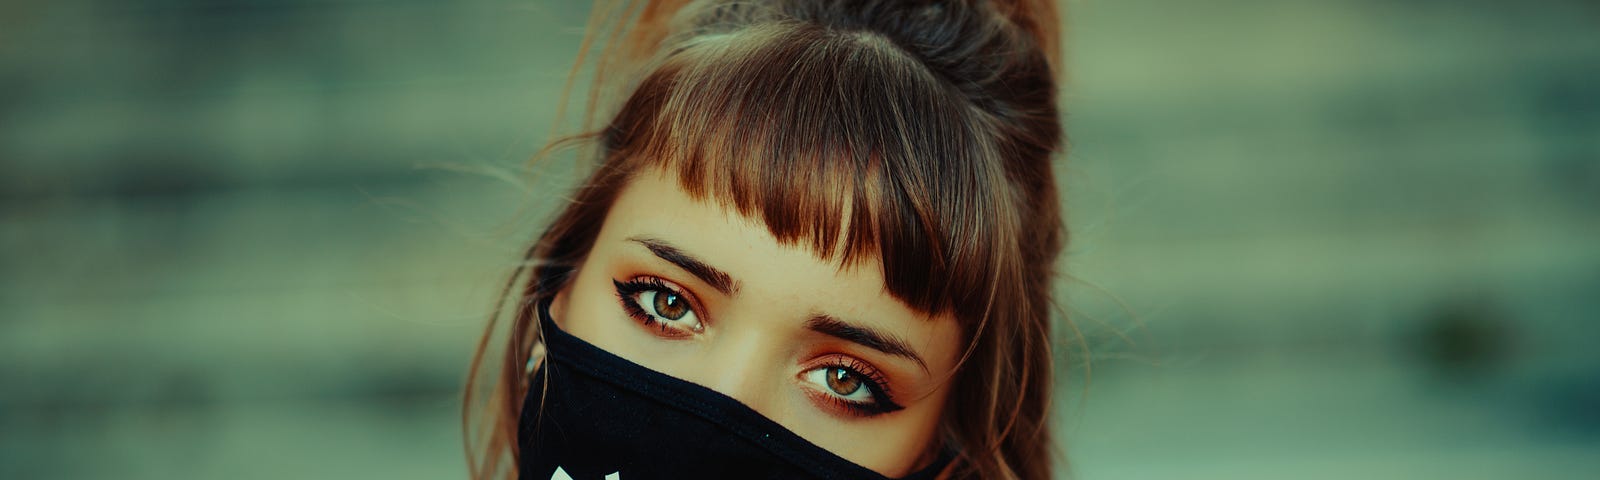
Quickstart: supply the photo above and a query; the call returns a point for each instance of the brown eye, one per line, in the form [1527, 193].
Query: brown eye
[842, 381]
[848, 387]
[655, 303]
[670, 306]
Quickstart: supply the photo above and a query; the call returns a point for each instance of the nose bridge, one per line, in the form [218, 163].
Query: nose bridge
[745, 362]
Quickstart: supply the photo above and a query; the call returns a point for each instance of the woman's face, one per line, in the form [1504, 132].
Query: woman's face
[696, 291]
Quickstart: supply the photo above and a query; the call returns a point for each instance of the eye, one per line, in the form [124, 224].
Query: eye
[851, 386]
[841, 382]
[654, 303]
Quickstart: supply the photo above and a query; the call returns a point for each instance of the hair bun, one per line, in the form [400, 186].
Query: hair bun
[1038, 19]
[1002, 53]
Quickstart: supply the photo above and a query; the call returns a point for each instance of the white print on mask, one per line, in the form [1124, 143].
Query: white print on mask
[562, 475]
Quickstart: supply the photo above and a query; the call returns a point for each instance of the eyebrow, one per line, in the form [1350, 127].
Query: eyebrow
[718, 279]
[867, 337]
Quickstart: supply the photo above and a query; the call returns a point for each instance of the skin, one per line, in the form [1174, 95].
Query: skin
[755, 342]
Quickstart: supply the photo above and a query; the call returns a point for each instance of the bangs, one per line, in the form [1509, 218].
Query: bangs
[838, 141]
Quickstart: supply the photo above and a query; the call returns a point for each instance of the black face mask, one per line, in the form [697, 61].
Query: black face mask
[603, 417]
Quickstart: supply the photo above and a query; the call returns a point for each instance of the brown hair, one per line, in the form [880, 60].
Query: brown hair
[916, 134]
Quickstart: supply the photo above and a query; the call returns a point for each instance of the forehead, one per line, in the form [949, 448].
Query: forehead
[654, 205]
[769, 272]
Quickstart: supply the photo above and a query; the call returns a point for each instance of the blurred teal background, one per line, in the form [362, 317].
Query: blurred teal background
[1311, 239]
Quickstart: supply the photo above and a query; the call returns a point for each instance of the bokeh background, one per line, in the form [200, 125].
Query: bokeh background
[1320, 239]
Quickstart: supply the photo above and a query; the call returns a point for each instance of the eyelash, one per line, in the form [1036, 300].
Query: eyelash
[626, 291]
[873, 380]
